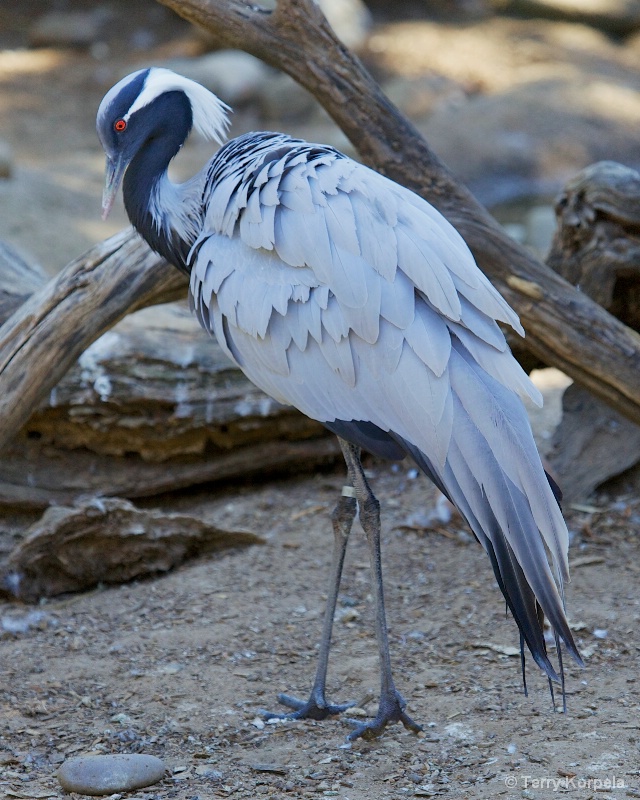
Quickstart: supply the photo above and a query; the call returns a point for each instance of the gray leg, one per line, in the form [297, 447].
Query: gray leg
[392, 705]
[316, 707]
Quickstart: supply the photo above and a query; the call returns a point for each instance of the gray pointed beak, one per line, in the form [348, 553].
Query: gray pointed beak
[114, 172]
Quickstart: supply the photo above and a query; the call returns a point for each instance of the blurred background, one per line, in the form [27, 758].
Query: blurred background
[514, 95]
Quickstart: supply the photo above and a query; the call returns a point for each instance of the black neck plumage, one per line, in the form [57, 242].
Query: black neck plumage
[170, 119]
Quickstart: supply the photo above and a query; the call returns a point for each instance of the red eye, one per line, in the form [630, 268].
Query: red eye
[120, 125]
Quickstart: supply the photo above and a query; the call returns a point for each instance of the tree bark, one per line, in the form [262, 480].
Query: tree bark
[564, 328]
[597, 247]
[154, 406]
[45, 335]
[597, 242]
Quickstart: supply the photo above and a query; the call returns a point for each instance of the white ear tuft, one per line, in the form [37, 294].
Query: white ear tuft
[210, 114]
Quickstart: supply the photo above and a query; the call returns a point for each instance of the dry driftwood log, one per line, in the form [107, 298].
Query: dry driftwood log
[597, 242]
[106, 541]
[565, 328]
[46, 335]
[597, 247]
[154, 405]
[591, 445]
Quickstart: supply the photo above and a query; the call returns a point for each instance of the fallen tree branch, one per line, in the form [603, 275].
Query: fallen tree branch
[564, 328]
[46, 335]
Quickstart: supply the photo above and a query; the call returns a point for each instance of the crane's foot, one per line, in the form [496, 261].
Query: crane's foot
[391, 709]
[316, 707]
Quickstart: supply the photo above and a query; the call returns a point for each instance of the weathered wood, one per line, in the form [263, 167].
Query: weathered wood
[597, 242]
[106, 541]
[46, 335]
[34, 477]
[154, 405]
[597, 247]
[564, 327]
[591, 445]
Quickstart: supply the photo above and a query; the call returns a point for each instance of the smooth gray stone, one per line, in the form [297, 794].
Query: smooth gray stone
[101, 775]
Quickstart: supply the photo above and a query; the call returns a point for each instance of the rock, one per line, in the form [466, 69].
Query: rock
[236, 77]
[592, 444]
[106, 540]
[102, 775]
[66, 29]
[6, 159]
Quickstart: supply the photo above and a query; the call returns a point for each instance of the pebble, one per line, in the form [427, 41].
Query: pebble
[348, 615]
[102, 775]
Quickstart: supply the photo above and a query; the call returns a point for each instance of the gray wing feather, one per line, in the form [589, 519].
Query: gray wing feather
[471, 455]
[290, 238]
[481, 326]
[377, 238]
[339, 356]
[259, 234]
[365, 320]
[333, 321]
[419, 263]
[341, 224]
[269, 195]
[502, 422]
[430, 339]
[397, 304]
[498, 362]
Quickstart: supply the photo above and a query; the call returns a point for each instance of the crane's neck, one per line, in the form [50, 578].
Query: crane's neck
[166, 215]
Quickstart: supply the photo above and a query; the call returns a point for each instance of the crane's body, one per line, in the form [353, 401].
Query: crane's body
[341, 293]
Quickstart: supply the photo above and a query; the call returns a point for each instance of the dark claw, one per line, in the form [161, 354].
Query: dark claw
[391, 710]
[313, 708]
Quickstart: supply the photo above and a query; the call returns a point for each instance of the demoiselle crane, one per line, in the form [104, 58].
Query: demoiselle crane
[339, 292]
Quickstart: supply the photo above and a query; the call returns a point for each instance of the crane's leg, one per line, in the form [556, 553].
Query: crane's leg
[316, 707]
[392, 704]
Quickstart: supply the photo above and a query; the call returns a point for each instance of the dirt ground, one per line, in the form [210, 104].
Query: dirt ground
[179, 666]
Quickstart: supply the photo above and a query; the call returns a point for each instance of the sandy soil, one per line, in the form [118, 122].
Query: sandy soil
[180, 666]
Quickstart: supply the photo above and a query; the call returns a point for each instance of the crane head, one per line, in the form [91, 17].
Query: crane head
[141, 109]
